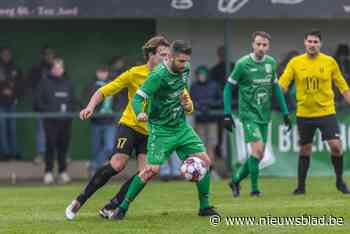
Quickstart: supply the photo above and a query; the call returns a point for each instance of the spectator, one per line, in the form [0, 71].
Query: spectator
[205, 95]
[218, 74]
[118, 66]
[290, 96]
[102, 127]
[342, 57]
[56, 94]
[11, 86]
[171, 169]
[38, 72]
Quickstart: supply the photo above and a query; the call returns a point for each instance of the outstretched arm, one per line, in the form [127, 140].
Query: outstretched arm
[87, 112]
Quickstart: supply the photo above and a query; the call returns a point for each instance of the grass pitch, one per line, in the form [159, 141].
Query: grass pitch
[172, 208]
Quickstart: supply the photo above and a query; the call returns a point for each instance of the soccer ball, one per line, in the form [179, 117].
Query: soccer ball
[193, 169]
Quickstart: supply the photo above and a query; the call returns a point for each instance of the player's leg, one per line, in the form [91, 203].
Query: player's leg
[108, 209]
[306, 129]
[136, 186]
[160, 145]
[101, 177]
[331, 133]
[254, 136]
[140, 146]
[189, 144]
[257, 154]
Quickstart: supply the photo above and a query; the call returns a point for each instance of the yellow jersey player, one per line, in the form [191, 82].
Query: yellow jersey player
[131, 134]
[314, 74]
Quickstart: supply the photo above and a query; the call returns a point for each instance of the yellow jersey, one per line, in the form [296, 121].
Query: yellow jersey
[313, 78]
[132, 79]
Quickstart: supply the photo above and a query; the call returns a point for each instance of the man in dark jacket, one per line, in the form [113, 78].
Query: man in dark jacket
[36, 74]
[55, 94]
[103, 132]
[11, 87]
[206, 96]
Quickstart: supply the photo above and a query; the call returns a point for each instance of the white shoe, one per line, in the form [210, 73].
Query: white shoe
[64, 178]
[48, 178]
[72, 210]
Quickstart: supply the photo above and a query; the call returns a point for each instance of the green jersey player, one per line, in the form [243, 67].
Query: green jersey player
[167, 102]
[255, 75]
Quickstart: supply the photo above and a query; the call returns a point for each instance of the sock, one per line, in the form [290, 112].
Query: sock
[134, 189]
[119, 197]
[100, 178]
[203, 187]
[337, 162]
[254, 173]
[242, 172]
[303, 167]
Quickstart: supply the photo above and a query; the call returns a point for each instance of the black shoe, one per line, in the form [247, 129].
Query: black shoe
[235, 188]
[105, 213]
[255, 194]
[209, 211]
[118, 214]
[342, 187]
[299, 191]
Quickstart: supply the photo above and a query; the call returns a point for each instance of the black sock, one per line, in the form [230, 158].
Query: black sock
[100, 178]
[303, 167]
[119, 197]
[337, 162]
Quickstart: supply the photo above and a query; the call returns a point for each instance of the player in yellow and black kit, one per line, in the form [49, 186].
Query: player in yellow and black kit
[131, 134]
[314, 74]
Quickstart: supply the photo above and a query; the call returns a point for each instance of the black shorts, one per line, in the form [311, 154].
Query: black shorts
[328, 126]
[128, 140]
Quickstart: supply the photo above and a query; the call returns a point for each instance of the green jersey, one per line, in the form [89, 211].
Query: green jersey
[255, 81]
[163, 89]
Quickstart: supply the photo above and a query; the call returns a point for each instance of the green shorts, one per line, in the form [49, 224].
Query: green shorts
[254, 131]
[163, 142]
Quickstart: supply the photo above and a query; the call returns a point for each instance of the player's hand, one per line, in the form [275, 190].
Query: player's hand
[229, 124]
[287, 122]
[86, 113]
[142, 117]
[186, 102]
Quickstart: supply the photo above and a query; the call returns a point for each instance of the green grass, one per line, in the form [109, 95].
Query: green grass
[171, 208]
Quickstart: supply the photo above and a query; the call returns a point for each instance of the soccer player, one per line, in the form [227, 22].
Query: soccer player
[163, 91]
[255, 75]
[131, 134]
[314, 74]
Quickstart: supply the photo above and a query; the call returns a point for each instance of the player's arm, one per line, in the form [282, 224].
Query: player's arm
[233, 79]
[282, 103]
[109, 89]
[287, 77]
[340, 82]
[148, 89]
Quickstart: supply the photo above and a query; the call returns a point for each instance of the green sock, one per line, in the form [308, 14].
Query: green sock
[254, 172]
[135, 188]
[242, 172]
[203, 187]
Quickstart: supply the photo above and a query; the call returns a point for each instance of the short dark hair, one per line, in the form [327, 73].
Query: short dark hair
[152, 44]
[261, 34]
[180, 46]
[314, 32]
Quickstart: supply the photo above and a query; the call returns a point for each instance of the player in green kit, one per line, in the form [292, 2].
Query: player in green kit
[255, 75]
[164, 91]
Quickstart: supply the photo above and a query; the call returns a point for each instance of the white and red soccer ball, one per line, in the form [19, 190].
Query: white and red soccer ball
[193, 169]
